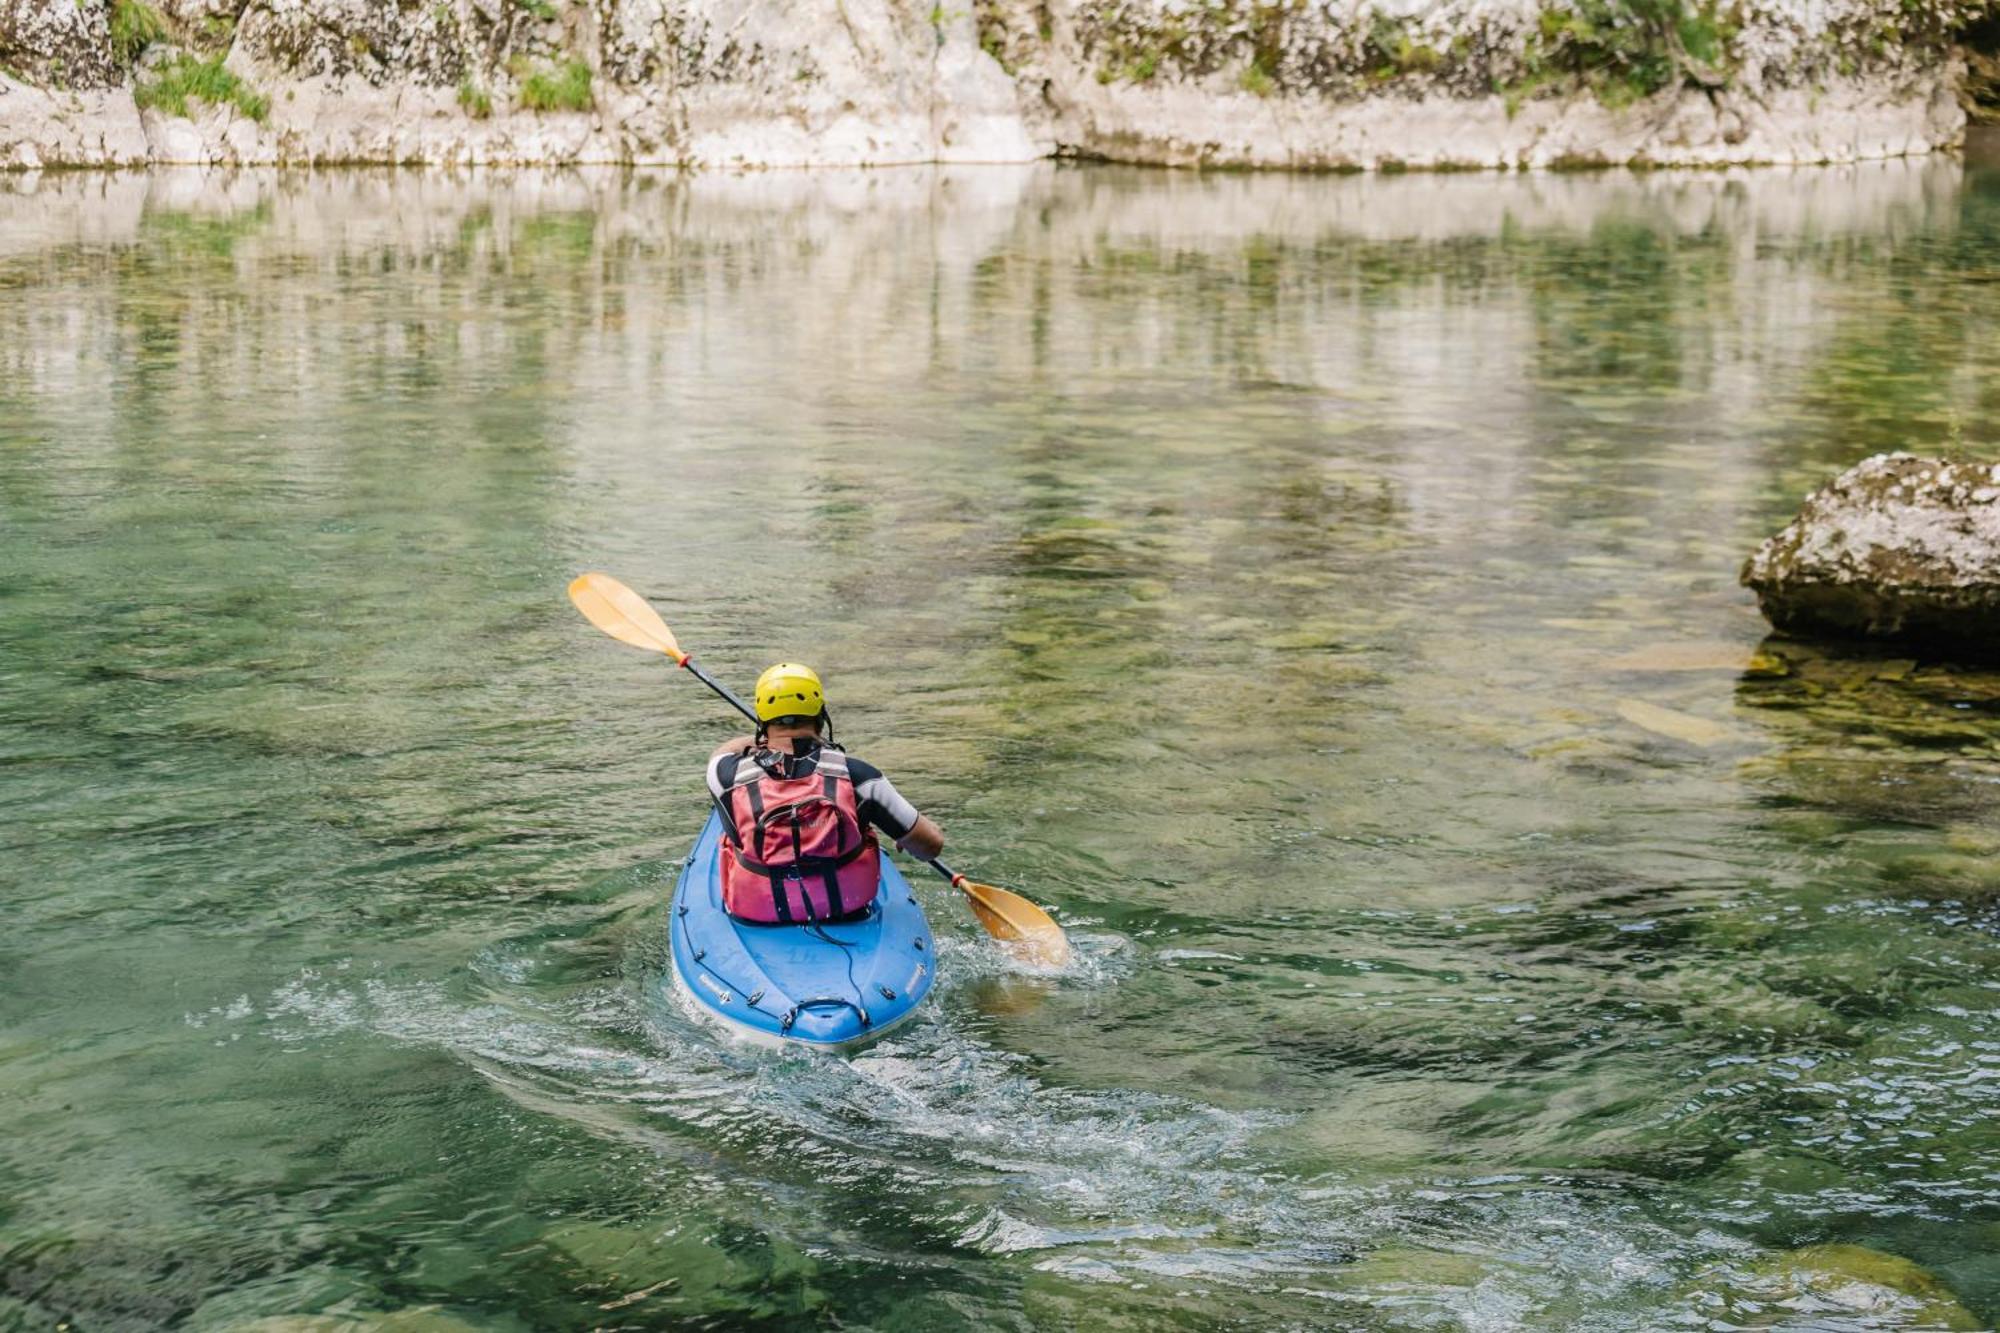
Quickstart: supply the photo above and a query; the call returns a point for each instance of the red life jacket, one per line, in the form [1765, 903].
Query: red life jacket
[796, 850]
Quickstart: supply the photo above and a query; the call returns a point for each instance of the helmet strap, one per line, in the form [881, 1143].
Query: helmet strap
[801, 745]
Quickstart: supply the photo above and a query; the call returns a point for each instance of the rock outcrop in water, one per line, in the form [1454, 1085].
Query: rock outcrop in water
[1455, 83]
[1897, 546]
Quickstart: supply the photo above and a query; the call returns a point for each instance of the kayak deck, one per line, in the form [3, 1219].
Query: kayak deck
[831, 986]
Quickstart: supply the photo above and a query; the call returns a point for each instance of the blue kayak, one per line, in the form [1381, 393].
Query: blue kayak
[832, 987]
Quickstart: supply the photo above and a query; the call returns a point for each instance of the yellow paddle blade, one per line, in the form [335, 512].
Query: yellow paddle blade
[623, 614]
[1026, 929]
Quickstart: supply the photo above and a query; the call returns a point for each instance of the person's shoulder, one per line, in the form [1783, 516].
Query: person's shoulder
[860, 770]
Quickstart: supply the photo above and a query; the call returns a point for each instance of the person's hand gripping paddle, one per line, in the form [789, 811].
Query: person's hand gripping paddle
[628, 618]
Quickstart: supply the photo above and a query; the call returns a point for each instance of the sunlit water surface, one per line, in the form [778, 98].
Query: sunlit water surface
[1277, 577]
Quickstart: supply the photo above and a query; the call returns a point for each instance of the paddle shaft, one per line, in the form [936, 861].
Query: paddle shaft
[719, 688]
[744, 709]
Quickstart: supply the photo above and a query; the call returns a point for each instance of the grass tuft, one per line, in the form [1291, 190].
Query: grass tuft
[135, 25]
[564, 88]
[186, 79]
[478, 103]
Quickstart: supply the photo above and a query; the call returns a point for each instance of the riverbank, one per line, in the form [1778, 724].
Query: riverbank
[1509, 85]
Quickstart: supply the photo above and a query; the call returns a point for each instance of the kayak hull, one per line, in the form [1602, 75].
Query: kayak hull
[833, 987]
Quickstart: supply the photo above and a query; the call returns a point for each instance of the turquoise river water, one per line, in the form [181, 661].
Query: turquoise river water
[1319, 592]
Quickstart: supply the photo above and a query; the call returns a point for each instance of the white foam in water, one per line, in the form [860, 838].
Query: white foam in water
[1096, 959]
[1105, 1185]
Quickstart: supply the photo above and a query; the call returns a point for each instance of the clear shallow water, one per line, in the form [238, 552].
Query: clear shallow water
[1270, 575]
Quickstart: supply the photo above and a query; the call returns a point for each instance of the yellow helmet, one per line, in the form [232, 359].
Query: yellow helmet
[789, 690]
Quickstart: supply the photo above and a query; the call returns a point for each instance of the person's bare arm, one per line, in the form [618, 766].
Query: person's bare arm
[733, 746]
[925, 840]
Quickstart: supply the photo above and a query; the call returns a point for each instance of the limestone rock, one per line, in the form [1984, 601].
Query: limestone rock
[94, 128]
[57, 45]
[1458, 84]
[372, 43]
[1897, 546]
[762, 83]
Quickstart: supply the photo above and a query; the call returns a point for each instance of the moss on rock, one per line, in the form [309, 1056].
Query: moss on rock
[1864, 1281]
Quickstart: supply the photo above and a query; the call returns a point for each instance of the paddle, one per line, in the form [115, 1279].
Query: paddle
[628, 618]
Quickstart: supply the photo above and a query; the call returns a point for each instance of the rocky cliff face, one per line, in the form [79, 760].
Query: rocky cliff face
[1395, 83]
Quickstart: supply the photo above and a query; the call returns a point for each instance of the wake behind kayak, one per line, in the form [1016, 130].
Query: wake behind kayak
[831, 986]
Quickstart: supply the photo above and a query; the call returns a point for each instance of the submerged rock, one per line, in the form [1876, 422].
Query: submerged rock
[1822, 1280]
[1677, 725]
[1897, 547]
[1694, 655]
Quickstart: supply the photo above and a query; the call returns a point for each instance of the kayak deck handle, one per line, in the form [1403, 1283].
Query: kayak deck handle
[823, 1002]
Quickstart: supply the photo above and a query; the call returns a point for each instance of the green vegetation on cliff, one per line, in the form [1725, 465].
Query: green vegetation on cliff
[135, 25]
[185, 79]
[566, 87]
[473, 99]
[1624, 50]
[1620, 51]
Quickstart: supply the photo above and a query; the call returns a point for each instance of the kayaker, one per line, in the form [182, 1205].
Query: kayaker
[798, 812]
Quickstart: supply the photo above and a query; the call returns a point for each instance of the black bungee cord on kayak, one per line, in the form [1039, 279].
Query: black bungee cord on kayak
[790, 1016]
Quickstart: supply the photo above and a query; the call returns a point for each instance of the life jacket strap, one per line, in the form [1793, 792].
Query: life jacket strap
[755, 795]
[826, 867]
[831, 874]
[806, 863]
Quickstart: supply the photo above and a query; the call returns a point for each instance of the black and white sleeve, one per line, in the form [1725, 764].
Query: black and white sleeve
[881, 804]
